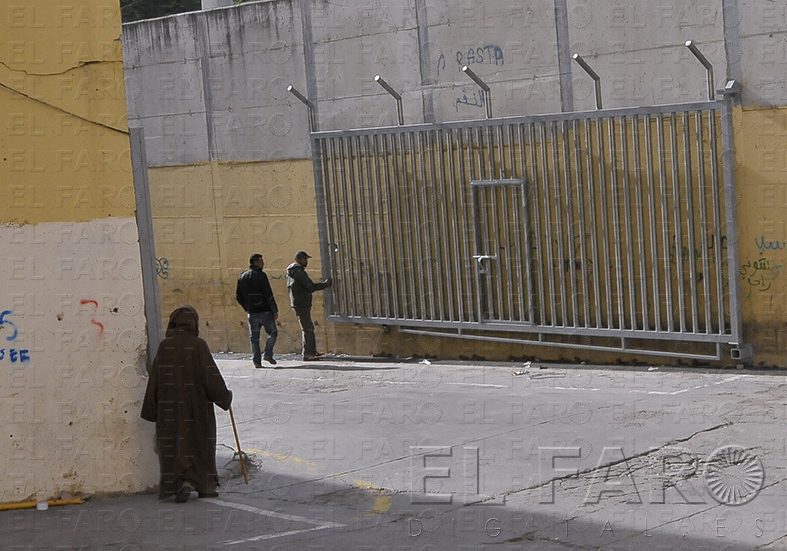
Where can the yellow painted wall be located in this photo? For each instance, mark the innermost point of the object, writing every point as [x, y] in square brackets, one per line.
[761, 164]
[209, 218]
[72, 333]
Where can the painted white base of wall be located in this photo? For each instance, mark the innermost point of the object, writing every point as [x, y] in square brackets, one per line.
[72, 361]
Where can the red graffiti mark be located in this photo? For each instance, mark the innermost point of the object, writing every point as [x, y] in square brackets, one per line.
[100, 325]
[100, 328]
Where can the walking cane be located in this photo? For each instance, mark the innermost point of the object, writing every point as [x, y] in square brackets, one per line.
[237, 442]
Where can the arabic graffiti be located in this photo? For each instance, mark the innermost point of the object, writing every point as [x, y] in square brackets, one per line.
[684, 253]
[478, 100]
[162, 267]
[14, 355]
[759, 273]
[770, 245]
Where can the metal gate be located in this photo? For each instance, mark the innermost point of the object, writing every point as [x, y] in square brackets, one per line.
[608, 230]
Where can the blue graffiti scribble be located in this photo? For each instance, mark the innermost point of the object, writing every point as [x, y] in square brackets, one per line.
[772, 245]
[4, 321]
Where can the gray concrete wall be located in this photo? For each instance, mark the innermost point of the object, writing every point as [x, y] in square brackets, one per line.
[214, 82]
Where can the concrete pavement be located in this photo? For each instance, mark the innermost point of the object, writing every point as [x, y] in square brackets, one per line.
[384, 455]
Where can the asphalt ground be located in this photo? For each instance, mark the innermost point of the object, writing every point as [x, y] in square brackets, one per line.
[368, 454]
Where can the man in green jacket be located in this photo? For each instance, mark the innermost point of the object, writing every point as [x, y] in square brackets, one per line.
[301, 287]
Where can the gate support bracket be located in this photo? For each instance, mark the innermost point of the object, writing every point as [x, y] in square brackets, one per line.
[484, 86]
[705, 63]
[731, 88]
[743, 353]
[394, 94]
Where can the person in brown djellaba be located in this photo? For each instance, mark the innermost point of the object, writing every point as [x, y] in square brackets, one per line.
[183, 386]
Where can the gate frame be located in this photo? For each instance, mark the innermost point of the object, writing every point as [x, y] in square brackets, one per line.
[739, 350]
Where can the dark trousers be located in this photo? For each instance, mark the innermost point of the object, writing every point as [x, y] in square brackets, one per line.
[256, 323]
[307, 327]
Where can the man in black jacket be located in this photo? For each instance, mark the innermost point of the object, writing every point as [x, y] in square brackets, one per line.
[301, 287]
[254, 293]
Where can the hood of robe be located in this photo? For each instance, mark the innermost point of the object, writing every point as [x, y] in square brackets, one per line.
[185, 319]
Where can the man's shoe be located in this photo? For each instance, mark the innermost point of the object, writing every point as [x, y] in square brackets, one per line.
[211, 494]
[270, 360]
[310, 358]
[318, 354]
[184, 493]
[257, 366]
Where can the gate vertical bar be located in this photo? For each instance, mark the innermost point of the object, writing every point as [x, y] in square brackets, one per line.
[702, 184]
[377, 246]
[325, 174]
[592, 211]
[455, 226]
[341, 295]
[405, 210]
[464, 176]
[652, 217]
[365, 190]
[426, 238]
[717, 229]
[730, 199]
[604, 217]
[527, 256]
[571, 259]
[663, 189]
[439, 229]
[416, 225]
[558, 221]
[613, 162]
[624, 162]
[690, 221]
[677, 220]
[385, 224]
[643, 280]
[356, 192]
[548, 227]
[581, 195]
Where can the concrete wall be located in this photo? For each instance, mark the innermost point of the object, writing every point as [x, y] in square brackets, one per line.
[209, 89]
[72, 326]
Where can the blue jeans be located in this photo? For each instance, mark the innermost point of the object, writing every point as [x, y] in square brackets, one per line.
[258, 321]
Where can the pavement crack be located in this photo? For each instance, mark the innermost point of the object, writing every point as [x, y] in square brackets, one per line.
[598, 467]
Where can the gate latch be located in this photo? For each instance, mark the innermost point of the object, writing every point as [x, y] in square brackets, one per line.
[480, 259]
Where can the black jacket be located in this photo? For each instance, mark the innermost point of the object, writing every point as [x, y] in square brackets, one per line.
[254, 292]
[301, 286]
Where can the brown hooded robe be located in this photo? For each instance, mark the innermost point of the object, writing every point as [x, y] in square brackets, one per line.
[183, 386]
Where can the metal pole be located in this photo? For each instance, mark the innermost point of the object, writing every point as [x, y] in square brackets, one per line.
[487, 92]
[705, 63]
[292, 90]
[147, 248]
[387, 87]
[592, 74]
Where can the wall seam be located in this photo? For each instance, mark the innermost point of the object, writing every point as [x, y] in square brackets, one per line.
[309, 61]
[427, 93]
[564, 56]
[207, 94]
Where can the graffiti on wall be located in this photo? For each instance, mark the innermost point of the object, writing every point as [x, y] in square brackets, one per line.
[13, 355]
